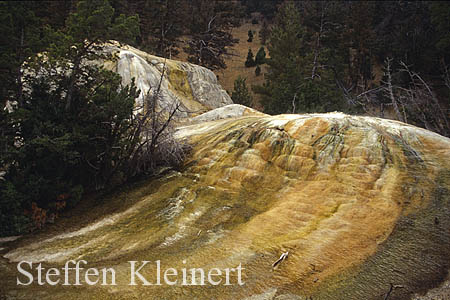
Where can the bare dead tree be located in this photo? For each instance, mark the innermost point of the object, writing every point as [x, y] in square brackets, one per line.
[208, 48]
[425, 104]
[293, 103]
[389, 90]
[317, 44]
[325, 25]
[415, 103]
[152, 140]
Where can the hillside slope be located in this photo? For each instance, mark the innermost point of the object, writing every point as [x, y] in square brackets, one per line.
[236, 63]
[359, 203]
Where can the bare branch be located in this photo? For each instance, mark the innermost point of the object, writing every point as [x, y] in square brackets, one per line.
[283, 256]
[210, 22]
[293, 103]
[317, 47]
[389, 89]
[415, 75]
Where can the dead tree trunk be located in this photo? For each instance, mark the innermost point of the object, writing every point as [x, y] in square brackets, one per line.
[390, 90]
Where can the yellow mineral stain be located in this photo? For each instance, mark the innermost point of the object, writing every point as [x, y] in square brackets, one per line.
[330, 189]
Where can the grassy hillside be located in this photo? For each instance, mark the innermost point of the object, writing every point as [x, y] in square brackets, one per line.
[235, 63]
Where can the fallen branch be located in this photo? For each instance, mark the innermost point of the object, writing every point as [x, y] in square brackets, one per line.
[282, 257]
[391, 289]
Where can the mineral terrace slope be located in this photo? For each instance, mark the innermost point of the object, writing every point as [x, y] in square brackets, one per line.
[360, 203]
[194, 87]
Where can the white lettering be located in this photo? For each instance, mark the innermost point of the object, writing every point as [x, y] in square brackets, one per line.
[49, 273]
[240, 268]
[217, 272]
[77, 271]
[194, 278]
[113, 276]
[66, 271]
[40, 268]
[22, 271]
[87, 274]
[136, 272]
[170, 272]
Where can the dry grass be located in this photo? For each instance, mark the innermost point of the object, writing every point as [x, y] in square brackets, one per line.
[235, 63]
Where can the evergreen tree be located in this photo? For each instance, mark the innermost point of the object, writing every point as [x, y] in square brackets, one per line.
[258, 70]
[74, 121]
[54, 13]
[260, 56]
[161, 23]
[440, 16]
[285, 71]
[362, 38]
[240, 94]
[267, 8]
[20, 38]
[250, 61]
[404, 32]
[250, 36]
[301, 77]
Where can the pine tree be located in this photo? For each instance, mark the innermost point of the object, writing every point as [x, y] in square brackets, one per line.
[250, 36]
[258, 70]
[162, 23]
[240, 94]
[301, 75]
[250, 61]
[440, 14]
[260, 56]
[74, 120]
[19, 34]
[361, 37]
[267, 8]
[20, 38]
[285, 65]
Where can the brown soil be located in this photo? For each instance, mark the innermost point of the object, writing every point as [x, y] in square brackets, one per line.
[236, 62]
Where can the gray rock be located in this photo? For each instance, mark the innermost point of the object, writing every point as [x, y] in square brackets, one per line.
[195, 87]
